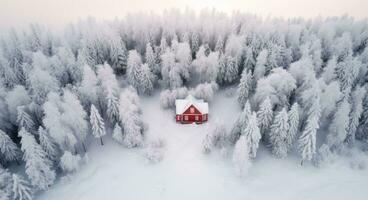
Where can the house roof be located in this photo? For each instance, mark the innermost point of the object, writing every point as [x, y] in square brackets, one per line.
[183, 104]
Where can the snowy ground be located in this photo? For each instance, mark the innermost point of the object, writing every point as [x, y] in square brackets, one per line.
[114, 172]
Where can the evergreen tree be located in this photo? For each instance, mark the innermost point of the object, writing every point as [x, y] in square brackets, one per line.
[355, 114]
[38, 166]
[69, 163]
[265, 115]
[118, 134]
[240, 123]
[5, 186]
[241, 156]
[279, 133]
[244, 87]
[24, 119]
[8, 149]
[134, 70]
[293, 116]
[112, 106]
[151, 59]
[47, 144]
[21, 188]
[338, 129]
[97, 124]
[252, 134]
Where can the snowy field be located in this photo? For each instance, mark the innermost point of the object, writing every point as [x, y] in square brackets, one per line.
[114, 172]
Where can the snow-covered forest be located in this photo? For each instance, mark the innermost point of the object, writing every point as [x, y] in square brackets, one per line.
[300, 85]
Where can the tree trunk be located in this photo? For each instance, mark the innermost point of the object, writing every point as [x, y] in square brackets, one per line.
[84, 147]
[101, 141]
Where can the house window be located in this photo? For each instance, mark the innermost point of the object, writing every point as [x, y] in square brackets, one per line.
[186, 117]
[192, 110]
[196, 118]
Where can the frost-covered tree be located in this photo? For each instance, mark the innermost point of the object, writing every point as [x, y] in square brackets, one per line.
[293, 117]
[74, 117]
[24, 119]
[329, 72]
[150, 58]
[168, 97]
[265, 116]
[216, 137]
[355, 114]
[241, 159]
[8, 149]
[97, 124]
[88, 87]
[5, 186]
[252, 134]
[18, 96]
[139, 75]
[131, 120]
[57, 129]
[41, 83]
[279, 133]
[22, 190]
[70, 163]
[48, 144]
[118, 134]
[38, 166]
[240, 123]
[206, 66]
[244, 87]
[260, 67]
[205, 91]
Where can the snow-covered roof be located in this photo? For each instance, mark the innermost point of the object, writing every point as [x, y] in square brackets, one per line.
[183, 104]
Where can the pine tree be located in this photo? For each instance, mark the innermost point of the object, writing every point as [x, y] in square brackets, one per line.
[47, 144]
[244, 87]
[112, 106]
[21, 188]
[355, 114]
[69, 162]
[293, 116]
[24, 119]
[252, 134]
[38, 166]
[118, 134]
[9, 150]
[231, 70]
[241, 156]
[5, 186]
[240, 123]
[151, 59]
[97, 124]
[279, 133]
[265, 115]
[339, 126]
[134, 70]
[146, 80]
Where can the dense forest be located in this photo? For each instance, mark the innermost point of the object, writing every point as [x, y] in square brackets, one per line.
[302, 86]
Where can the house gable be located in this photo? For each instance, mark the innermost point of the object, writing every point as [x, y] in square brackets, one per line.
[192, 110]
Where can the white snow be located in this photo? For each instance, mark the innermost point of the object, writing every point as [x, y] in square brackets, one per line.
[183, 104]
[114, 172]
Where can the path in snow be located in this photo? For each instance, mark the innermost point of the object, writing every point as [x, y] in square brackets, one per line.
[114, 172]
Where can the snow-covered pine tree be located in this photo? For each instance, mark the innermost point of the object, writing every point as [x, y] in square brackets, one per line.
[38, 166]
[112, 110]
[150, 58]
[241, 159]
[24, 119]
[74, 117]
[240, 123]
[252, 134]
[338, 129]
[244, 87]
[260, 67]
[48, 144]
[5, 186]
[146, 80]
[69, 163]
[265, 116]
[134, 71]
[118, 134]
[22, 190]
[231, 70]
[216, 137]
[355, 114]
[97, 124]
[293, 116]
[8, 149]
[279, 133]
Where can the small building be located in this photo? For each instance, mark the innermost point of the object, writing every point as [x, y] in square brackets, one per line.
[191, 110]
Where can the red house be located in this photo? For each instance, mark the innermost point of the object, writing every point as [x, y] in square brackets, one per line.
[191, 110]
